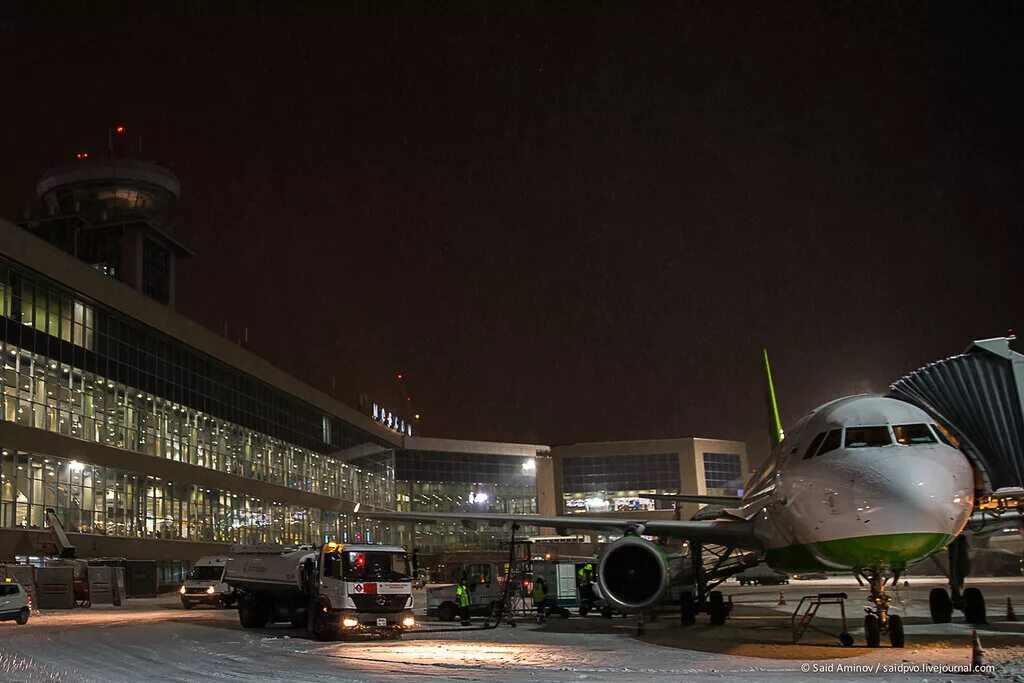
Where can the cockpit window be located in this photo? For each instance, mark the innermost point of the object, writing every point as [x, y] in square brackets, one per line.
[943, 436]
[832, 441]
[910, 434]
[813, 448]
[867, 437]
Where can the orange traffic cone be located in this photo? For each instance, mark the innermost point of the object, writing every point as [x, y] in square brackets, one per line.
[782, 598]
[1010, 616]
[977, 654]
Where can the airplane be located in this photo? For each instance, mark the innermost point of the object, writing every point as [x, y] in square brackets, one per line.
[864, 484]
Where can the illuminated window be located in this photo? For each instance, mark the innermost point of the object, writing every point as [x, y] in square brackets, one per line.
[910, 434]
[867, 437]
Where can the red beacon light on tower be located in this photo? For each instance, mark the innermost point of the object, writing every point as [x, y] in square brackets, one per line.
[119, 130]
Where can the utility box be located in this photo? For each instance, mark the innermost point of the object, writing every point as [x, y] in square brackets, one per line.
[55, 587]
[106, 585]
[140, 576]
[141, 579]
[560, 577]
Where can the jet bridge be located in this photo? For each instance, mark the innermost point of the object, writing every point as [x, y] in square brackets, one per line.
[979, 397]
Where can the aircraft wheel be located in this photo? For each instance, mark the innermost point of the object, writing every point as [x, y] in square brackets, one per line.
[896, 630]
[846, 639]
[872, 630]
[716, 608]
[446, 612]
[687, 613]
[974, 606]
[940, 605]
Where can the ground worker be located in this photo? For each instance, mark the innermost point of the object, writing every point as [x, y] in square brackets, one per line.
[540, 599]
[584, 579]
[462, 597]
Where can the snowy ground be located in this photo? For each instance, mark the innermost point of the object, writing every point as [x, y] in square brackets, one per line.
[156, 640]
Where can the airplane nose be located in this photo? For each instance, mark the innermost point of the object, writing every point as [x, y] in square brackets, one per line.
[927, 488]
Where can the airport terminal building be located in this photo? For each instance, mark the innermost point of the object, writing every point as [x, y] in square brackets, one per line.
[611, 477]
[149, 435]
[152, 437]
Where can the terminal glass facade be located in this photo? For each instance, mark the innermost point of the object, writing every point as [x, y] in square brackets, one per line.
[109, 501]
[432, 481]
[723, 473]
[74, 367]
[616, 483]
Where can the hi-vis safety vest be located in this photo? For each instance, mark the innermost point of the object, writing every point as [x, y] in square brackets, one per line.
[462, 595]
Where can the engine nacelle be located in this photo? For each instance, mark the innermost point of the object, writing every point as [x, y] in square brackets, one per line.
[633, 574]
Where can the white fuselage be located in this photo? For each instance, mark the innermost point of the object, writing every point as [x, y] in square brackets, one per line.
[884, 491]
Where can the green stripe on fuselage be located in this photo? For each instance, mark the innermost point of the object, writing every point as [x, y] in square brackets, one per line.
[892, 551]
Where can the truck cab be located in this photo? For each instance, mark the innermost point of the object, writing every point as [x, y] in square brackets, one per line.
[366, 587]
[205, 584]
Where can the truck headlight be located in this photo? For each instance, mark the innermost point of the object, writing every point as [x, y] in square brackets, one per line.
[349, 622]
[408, 622]
[182, 590]
[210, 590]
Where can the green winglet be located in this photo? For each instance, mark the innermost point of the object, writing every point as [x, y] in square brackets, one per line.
[775, 432]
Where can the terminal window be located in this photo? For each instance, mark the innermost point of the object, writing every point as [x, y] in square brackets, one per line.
[636, 472]
[722, 471]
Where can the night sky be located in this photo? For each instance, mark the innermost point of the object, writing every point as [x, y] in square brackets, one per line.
[566, 226]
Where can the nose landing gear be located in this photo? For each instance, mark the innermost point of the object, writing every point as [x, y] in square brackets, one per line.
[878, 620]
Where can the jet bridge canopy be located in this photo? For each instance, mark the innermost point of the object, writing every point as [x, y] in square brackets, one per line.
[977, 395]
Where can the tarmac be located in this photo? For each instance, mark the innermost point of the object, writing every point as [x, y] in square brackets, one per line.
[156, 640]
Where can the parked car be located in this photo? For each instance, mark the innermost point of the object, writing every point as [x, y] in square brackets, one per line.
[14, 604]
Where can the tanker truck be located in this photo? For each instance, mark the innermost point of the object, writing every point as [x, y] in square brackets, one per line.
[333, 590]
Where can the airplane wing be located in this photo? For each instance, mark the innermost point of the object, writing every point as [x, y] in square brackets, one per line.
[694, 498]
[737, 533]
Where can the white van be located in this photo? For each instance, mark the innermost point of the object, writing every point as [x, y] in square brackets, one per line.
[13, 602]
[205, 584]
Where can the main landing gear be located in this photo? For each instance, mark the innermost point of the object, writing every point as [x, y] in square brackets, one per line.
[705, 600]
[970, 601]
[878, 620]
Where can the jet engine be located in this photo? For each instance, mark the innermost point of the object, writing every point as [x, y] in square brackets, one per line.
[633, 574]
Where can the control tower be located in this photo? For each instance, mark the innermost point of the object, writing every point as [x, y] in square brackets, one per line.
[112, 213]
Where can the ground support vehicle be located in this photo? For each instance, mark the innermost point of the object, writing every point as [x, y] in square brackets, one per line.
[205, 584]
[486, 593]
[565, 590]
[14, 604]
[334, 590]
